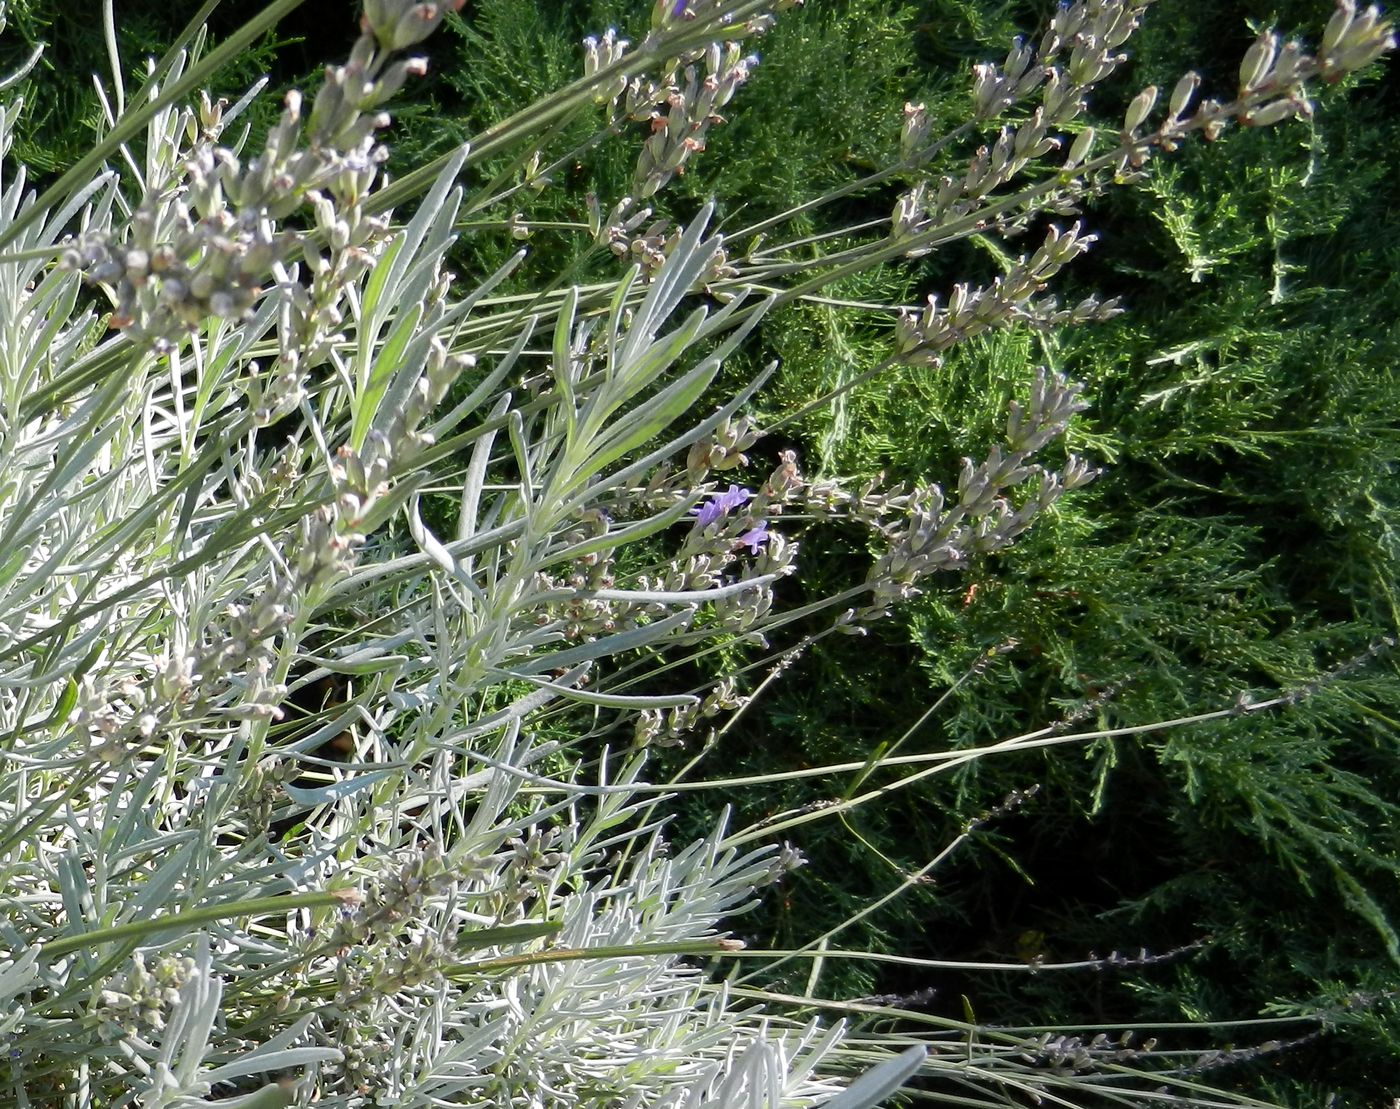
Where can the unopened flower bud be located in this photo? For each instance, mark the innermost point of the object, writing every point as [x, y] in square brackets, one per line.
[1140, 108]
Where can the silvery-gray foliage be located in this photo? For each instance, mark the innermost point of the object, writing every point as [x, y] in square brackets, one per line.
[227, 380]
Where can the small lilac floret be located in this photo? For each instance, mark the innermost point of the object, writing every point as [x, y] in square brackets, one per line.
[707, 513]
[755, 537]
[719, 505]
[733, 497]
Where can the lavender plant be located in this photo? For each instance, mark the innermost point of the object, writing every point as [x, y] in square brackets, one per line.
[232, 375]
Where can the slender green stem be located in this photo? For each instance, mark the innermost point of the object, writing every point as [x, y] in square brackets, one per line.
[859, 185]
[947, 760]
[191, 918]
[714, 947]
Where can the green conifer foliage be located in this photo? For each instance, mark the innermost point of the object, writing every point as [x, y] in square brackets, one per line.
[1241, 540]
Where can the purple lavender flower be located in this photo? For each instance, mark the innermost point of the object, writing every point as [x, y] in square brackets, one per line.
[755, 537]
[719, 505]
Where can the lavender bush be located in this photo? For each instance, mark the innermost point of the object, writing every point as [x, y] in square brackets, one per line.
[280, 818]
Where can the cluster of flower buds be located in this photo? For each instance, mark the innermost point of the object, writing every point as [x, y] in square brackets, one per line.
[666, 487]
[910, 218]
[684, 112]
[227, 674]
[324, 550]
[246, 635]
[1352, 40]
[207, 248]
[402, 967]
[636, 97]
[1079, 49]
[599, 53]
[343, 243]
[329, 538]
[395, 902]
[139, 1001]
[360, 980]
[785, 485]
[261, 792]
[1094, 33]
[1053, 403]
[1090, 32]
[723, 449]
[165, 280]
[739, 517]
[93, 710]
[1017, 799]
[361, 479]
[723, 524]
[1317, 684]
[868, 504]
[726, 525]
[1273, 78]
[740, 612]
[308, 325]
[366, 1049]
[1069, 1055]
[623, 232]
[1275, 71]
[926, 541]
[994, 89]
[531, 867]
[1046, 314]
[922, 337]
[1270, 65]
[929, 534]
[584, 616]
[678, 107]
[787, 859]
[276, 395]
[521, 871]
[669, 729]
[1272, 88]
[1219, 1058]
[1087, 709]
[924, 207]
[399, 24]
[404, 435]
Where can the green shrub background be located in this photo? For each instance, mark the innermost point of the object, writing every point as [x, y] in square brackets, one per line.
[1243, 538]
